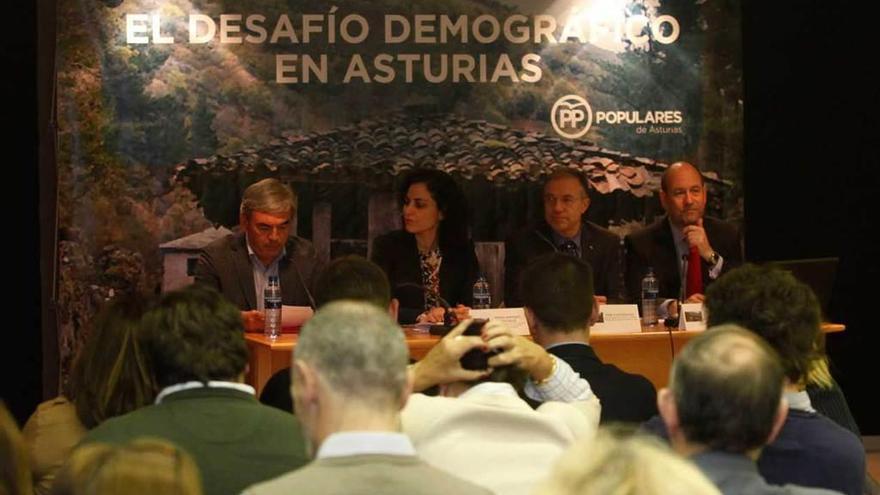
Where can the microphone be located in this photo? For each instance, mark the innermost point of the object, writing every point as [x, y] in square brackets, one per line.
[672, 322]
[682, 294]
[305, 286]
[448, 316]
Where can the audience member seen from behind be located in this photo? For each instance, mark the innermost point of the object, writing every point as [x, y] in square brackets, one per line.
[616, 464]
[554, 288]
[350, 382]
[811, 450]
[195, 340]
[15, 473]
[111, 376]
[142, 467]
[347, 278]
[724, 403]
[431, 261]
[479, 428]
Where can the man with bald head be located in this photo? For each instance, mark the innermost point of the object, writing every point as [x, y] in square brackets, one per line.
[724, 403]
[684, 247]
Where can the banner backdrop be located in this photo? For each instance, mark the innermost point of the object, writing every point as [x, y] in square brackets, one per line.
[167, 110]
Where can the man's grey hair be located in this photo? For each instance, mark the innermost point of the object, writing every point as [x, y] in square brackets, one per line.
[269, 196]
[358, 350]
[727, 383]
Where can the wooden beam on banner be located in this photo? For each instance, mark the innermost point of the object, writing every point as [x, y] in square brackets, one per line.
[322, 217]
[382, 216]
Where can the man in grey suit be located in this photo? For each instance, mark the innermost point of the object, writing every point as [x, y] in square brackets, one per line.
[240, 264]
[723, 404]
[350, 382]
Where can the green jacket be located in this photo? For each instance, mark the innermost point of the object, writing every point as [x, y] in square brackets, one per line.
[235, 440]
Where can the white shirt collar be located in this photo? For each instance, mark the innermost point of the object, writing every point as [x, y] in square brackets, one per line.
[180, 387]
[799, 401]
[490, 388]
[348, 443]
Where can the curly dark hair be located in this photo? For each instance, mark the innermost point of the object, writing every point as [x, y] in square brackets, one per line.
[776, 306]
[453, 230]
[195, 334]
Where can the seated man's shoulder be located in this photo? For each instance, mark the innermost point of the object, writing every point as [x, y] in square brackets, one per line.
[300, 247]
[534, 236]
[600, 232]
[821, 433]
[580, 417]
[358, 474]
[646, 232]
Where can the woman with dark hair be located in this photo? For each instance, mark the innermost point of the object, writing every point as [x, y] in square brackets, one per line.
[431, 262]
[110, 377]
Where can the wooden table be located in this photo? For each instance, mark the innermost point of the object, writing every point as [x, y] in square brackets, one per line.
[648, 353]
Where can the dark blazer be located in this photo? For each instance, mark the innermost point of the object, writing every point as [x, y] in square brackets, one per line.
[396, 252]
[234, 440]
[625, 397]
[736, 474]
[225, 265]
[810, 450]
[654, 247]
[599, 247]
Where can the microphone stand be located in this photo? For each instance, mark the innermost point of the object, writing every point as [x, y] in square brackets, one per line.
[449, 321]
[671, 321]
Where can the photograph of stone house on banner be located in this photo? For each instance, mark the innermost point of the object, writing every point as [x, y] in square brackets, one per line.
[168, 109]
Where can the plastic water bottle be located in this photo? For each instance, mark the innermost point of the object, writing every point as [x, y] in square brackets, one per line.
[272, 305]
[650, 289]
[482, 296]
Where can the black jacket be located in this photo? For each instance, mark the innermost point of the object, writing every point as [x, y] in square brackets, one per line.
[653, 246]
[396, 252]
[625, 397]
[599, 247]
[226, 266]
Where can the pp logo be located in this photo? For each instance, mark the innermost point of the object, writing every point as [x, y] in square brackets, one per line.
[571, 116]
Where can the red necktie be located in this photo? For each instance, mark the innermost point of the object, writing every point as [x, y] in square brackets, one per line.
[694, 274]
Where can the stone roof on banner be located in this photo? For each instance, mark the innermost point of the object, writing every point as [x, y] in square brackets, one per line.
[195, 241]
[373, 151]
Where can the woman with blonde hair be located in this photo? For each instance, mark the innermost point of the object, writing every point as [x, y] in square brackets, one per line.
[614, 463]
[143, 467]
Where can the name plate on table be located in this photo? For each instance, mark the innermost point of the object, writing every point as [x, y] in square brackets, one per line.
[617, 318]
[514, 318]
[692, 316]
[295, 316]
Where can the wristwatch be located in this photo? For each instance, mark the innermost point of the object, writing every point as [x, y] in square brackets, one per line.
[713, 260]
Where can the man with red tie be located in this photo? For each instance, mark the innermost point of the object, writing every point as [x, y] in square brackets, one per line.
[682, 247]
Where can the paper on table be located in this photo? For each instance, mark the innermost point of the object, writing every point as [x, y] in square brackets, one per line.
[295, 316]
[617, 318]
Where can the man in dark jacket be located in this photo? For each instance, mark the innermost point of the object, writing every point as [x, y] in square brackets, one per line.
[239, 265]
[553, 288]
[564, 230]
[711, 247]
